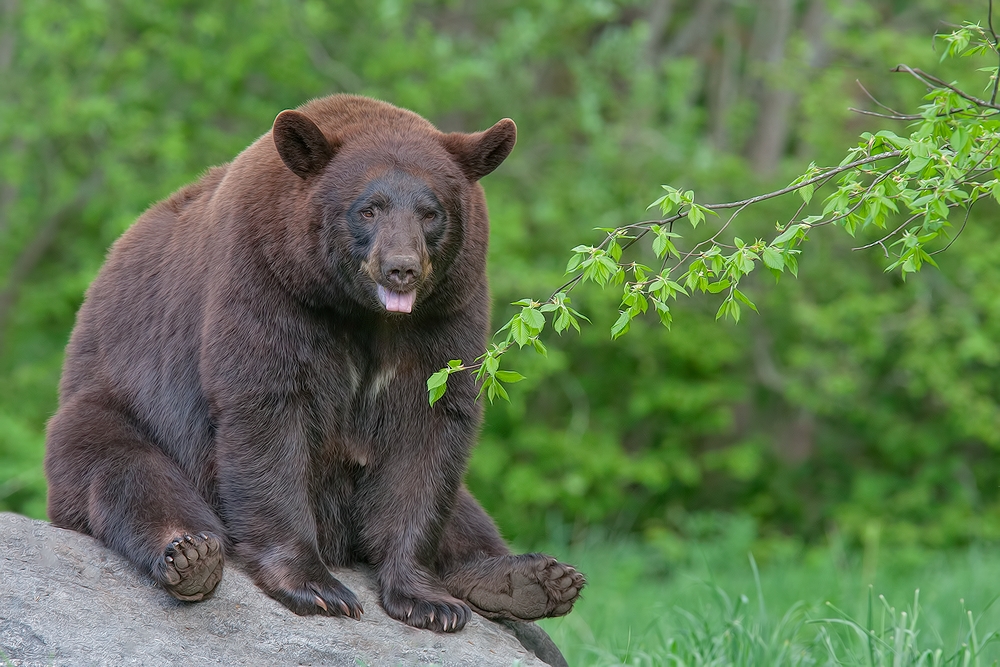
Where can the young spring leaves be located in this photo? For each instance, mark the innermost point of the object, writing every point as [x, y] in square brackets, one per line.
[906, 188]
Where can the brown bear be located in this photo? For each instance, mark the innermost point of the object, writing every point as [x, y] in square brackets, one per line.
[247, 377]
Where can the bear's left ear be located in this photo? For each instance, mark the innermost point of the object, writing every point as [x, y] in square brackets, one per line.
[480, 153]
[300, 143]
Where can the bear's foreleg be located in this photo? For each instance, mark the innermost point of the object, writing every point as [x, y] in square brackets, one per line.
[401, 503]
[263, 493]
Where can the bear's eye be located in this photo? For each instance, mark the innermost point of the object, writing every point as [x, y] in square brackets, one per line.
[368, 213]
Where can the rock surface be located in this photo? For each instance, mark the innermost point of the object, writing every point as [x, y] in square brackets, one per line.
[66, 600]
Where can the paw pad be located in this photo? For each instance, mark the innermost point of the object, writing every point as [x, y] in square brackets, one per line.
[192, 566]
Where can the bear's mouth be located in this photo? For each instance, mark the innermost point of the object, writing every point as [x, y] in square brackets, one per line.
[396, 302]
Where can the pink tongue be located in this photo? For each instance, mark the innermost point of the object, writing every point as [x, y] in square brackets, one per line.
[395, 302]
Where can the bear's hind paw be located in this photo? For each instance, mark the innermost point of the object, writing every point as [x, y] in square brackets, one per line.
[519, 588]
[191, 566]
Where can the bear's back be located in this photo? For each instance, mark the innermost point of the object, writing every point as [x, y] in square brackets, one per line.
[138, 331]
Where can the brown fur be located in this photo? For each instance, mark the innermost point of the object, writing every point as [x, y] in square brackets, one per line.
[233, 376]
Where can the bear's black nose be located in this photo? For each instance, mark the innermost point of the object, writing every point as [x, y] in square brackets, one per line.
[402, 270]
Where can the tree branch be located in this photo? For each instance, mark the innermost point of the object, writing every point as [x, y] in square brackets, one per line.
[815, 179]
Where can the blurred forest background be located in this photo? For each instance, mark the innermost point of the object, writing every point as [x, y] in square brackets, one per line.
[855, 404]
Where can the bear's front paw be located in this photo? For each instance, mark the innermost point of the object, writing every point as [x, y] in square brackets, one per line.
[327, 598]
[443, 614]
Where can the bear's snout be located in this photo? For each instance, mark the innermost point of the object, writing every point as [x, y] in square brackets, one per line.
[402, 271]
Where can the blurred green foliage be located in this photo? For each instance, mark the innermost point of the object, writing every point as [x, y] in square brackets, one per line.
[854, 402]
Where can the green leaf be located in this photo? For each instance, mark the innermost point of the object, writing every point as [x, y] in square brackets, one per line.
[615, 251]
[663, 310]
[509, 377]
[435, 394]
[806, 192]
[743, 297]
[438, 379]
[496, 389]
[787, 235]
[519, 332]
[695, 215]
[563, 321]
[621, 326]
[534, 320]
[659, 241]
[745, 261]
[490, 364]
[959, 139]
[792, 262]
[492, 388]
[715, 288]
[437, 385]
[773, 259]
[917, 165]
[574, 263]
[539, 348]
[729, 307]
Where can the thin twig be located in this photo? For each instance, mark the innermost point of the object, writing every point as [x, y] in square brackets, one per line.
[872, 98]
[930, 80]
[886, 116]
[967, 113]
[890, 234]
[798, 211]
[996, 75]
[958, 233]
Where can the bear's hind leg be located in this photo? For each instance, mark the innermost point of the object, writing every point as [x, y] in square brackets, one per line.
[107, 480]
[477, 567]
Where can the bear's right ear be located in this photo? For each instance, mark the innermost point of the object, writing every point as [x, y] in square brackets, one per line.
[300, 143]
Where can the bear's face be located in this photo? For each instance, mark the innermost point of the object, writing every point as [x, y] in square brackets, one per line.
[393, 209]
[397, 231]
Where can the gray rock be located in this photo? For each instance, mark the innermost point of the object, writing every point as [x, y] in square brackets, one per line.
[67, 600]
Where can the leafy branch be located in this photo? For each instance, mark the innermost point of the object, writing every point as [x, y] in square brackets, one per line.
[907, 186]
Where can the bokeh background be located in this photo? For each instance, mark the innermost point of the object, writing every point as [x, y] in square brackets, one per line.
[854, 405]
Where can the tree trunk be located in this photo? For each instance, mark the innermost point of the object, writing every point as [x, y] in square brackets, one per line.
[725, 84]
[776, 101]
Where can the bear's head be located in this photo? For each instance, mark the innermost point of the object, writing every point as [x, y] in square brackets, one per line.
[393, 201]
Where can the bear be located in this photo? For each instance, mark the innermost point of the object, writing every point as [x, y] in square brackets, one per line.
[246, 377]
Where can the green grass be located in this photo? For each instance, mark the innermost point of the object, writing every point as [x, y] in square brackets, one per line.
[730, 599]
